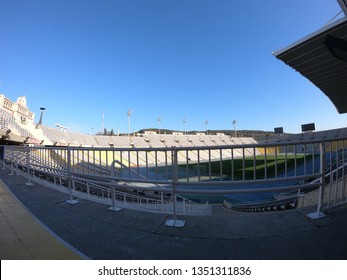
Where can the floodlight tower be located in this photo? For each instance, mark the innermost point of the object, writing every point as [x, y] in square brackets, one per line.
[234, 124]
[159, 122]
[130, 112]
[206, 123]
[185, 125]
[103, 121]
[42, 110]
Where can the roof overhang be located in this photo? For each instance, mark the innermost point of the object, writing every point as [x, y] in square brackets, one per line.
[343, 5]
[322, 58]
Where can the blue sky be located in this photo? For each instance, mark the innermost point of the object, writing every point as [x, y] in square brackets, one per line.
[178, 59]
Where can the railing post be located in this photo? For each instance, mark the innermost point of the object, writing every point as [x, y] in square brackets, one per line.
[28, 167]
[174, 222]
[88, 189]
[17, 166]
[3, 159]
[69, 178]
[12, 161]
[114, 207]
[318, 214]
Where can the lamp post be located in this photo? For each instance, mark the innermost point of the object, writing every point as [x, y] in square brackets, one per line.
[185, 125]
[206, 123]
[130, 112]
[159, 122]
[234, 124]
[42, 110]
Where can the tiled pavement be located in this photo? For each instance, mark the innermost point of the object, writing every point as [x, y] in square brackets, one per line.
[22, 236]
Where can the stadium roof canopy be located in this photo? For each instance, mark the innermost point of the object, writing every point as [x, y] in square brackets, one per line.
[322, 58]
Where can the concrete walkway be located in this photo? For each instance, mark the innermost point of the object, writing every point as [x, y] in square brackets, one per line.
[101, 234]
[22, 236]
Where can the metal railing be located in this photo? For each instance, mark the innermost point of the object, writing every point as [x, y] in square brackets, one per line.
[174, 180]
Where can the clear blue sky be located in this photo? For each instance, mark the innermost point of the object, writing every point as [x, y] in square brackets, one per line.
[194, 59]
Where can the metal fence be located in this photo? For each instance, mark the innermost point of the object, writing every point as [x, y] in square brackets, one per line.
[184, 180]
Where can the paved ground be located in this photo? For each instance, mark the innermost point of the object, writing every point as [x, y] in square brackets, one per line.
[22, 236]
[89, 230]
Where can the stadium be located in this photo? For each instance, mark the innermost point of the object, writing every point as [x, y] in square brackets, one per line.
[182, 179]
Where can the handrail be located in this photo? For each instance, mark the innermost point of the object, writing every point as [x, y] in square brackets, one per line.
[170, 171]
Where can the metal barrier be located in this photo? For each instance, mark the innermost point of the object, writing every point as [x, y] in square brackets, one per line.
[162, 179]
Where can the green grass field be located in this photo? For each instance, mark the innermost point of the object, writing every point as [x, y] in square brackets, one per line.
[256, 166]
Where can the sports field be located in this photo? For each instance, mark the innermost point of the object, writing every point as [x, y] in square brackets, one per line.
[259, 167]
